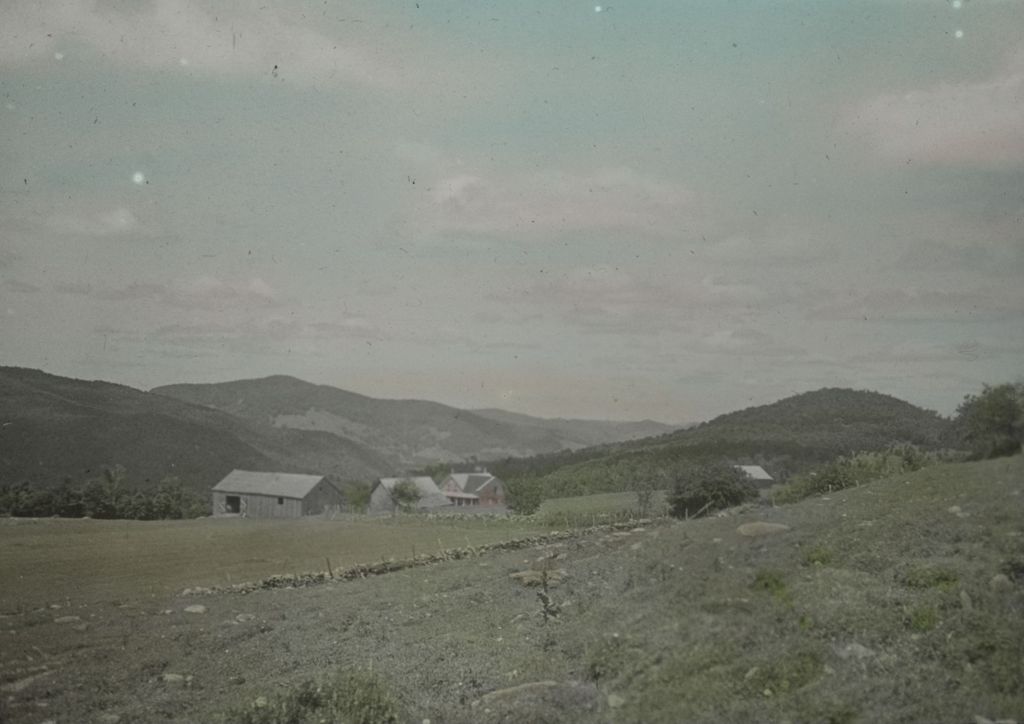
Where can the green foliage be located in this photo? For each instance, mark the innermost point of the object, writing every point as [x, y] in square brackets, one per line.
[930, 577]
[104, 497]
[922, 619]
[523, 495]
[705, 489]
[357, 496]
[991, 424]
[847, 472]
[405, 495]
[350, 697]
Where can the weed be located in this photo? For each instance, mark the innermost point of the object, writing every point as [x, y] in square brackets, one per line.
[351, 697]
[922, 619]
[819, 555]
[930, 577]
[771, 582]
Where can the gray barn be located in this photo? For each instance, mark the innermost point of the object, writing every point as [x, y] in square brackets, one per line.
[274, 495]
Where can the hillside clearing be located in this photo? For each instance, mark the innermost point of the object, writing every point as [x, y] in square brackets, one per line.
[898, 601]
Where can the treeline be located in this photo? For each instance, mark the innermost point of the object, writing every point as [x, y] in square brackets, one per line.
[103, 497]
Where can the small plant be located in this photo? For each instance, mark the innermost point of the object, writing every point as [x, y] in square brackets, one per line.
[770, 582]
[930, 577]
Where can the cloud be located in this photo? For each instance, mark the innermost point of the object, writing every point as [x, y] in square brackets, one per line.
[109, 222]
[607, 299]
[555, 201]
[20, 286]
[203, 293]
[970, 123]
[920, 304]
[190, 37]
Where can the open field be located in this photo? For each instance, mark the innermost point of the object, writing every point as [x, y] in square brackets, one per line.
[899, 601]
[50, 560]
[598, 504]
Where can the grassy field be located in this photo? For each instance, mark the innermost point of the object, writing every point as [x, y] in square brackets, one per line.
[899, 601]
[49, 560]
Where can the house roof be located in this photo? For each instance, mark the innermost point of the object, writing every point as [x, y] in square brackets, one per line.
[472, 482]
[755, 472]
[283, 485]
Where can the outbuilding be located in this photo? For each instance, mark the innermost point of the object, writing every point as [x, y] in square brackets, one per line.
[248, 494]
[757, 475]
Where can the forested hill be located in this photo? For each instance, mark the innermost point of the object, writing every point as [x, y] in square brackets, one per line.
[55, 427]
[786, 436]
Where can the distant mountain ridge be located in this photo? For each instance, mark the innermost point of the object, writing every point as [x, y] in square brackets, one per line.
[409, 433]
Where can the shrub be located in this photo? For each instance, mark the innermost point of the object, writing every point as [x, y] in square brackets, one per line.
[702, 490]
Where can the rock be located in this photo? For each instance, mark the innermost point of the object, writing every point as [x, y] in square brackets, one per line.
[81, 627]
[195, 608]
[237, 680]
[965, 601]
[67, 619]
[108, 718]
[957, 511]
[636, 546]
[243, 617]
[1000, 582]
[615, 701]
[173, 679]
[516, 690]
[759, 528]
[855, 651]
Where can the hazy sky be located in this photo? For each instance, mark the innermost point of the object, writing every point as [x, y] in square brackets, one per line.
[664, 209]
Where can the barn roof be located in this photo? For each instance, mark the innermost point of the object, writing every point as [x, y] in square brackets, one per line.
[283, 485]
[755, 472]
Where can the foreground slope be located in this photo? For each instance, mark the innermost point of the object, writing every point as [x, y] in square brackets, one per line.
[56, 427]
[409, 433]
[895, 602]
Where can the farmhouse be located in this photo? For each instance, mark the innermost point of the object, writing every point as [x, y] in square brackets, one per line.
[758, 475]
[382, 500]
[479, 488]
[274, 495]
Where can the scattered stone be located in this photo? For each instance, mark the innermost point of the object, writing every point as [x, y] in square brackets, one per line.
[13, 687]
[965, 601]
[173, 679]
[244, 617]
[751, 673]
[195, 608]
[957, 511]
[67, 619]
[237, 680]
[615, 701]
[636, 546]
[108, 718]
[978, 719]
[260, 702]
[1000, 582]
[536, 578]
[81, 627]
[759, 528]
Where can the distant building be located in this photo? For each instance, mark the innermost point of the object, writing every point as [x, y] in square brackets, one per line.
[382, 500]
[479, 488]
[758, 475]
[274, 495]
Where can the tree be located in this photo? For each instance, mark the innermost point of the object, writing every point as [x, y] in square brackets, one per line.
[992, 423]
[701, 490]
[523, 495]
[405, 495]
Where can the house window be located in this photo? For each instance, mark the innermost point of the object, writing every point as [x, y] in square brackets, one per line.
[280, 501]
[232, 504]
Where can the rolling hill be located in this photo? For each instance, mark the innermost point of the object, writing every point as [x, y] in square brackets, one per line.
[55, 427]
[786, 436]
[409, 433]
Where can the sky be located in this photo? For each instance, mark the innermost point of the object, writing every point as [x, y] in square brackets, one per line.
[655, 209]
